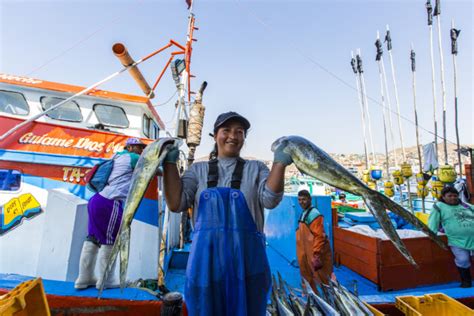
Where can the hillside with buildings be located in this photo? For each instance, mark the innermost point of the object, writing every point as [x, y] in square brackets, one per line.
[357, 161]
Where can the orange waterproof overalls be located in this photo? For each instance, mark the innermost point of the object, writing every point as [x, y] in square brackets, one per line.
[311, 241]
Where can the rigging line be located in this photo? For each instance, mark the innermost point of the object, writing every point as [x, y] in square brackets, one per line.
[172, 118]
[344, 82]
[84, 39]
[167, 101]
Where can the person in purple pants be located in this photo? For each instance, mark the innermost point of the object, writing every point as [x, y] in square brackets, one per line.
[105, 214]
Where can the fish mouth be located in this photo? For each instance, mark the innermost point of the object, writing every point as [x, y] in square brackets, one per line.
[279, 142]
[173, 141]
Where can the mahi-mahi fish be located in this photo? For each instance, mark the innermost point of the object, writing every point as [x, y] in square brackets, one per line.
[313, 161]
[146, 168]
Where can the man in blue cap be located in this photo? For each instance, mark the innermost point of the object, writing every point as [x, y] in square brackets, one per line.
[105, 214]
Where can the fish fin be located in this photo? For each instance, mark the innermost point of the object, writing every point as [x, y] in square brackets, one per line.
[412, 219]
[110, 261]
[308, 287]
[274, 292]
[307, 309]
[378, 205]
[124, 255]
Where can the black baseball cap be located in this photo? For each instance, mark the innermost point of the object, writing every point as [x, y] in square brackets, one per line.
[224, 117]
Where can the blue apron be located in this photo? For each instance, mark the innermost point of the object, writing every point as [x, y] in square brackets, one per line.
[227, 272]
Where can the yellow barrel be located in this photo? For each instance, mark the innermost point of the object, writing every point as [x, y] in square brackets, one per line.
[397, 177]
[372, 185]
[436, 187]
[422, 191]
[424, 217]
[420, 179]
[388, 189]
[447, 174]
[366, 176]
[407, 172]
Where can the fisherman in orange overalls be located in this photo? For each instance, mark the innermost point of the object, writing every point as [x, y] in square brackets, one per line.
[312, 245]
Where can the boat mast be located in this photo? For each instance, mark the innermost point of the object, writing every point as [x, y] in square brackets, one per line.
[413, 71]
[454, 51]
[429, 10]
[361, 103]
[199, 109]
[437, 14]
[366, 102]
[378, 58]
[388, 39]
[389, 103]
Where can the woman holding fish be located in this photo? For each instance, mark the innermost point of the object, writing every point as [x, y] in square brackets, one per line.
[105, 211]
[228, 271]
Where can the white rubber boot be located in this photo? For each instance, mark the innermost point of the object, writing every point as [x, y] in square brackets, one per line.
[87, 261]
[111, 281]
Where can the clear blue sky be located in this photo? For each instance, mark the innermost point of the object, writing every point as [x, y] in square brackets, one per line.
[256, 57]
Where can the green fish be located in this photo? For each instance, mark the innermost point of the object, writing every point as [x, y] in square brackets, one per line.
[313, 161]
[147, 166]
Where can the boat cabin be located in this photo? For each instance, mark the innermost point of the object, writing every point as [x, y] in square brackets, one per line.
[97, 110]
[43, 195]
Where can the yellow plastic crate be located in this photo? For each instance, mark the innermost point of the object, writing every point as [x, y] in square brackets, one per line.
[374, 311]
[27, 299]
[423, 217]
[431, 305]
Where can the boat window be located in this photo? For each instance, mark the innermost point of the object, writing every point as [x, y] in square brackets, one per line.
[69, 111]
[13, 103]
[155, 131]
[10, 180]
[111, 115]
[146, 125]
[150, 128]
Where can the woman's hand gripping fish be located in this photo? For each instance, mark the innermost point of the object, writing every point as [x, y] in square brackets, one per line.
[313, 161]
[146, 168]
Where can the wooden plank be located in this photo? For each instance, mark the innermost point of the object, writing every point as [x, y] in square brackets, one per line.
[361, 254]
[356, 258]
[419, 248]
[405, 276]
[356, 239]
[362, 268]
[440, 253]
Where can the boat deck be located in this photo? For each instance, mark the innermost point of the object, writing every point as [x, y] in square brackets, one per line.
[62, 288]
[133, 298]
[366, 289]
